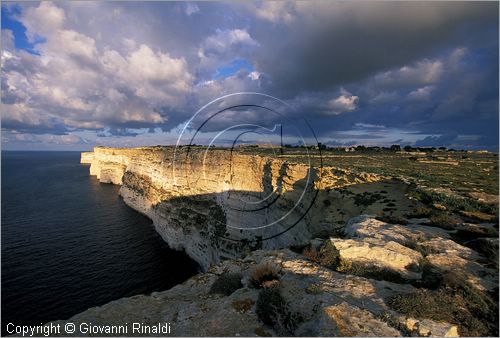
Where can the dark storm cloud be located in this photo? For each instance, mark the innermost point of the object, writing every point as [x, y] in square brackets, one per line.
[339, 43]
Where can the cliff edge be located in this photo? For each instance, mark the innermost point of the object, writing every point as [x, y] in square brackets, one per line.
[220, 204]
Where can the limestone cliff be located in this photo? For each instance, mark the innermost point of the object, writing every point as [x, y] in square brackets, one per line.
[357, 268]
[220, 204]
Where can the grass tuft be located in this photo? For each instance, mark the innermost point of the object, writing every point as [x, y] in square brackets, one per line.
[264, 275]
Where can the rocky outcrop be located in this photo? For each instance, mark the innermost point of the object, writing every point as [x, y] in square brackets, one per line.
[218, 204]
[377, 254]
[440, 251]
[326, 303]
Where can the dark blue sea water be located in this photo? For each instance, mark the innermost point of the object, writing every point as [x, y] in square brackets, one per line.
[70, 243]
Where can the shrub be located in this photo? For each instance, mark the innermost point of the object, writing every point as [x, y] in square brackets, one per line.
[262, 274]
[420, 212]
[370, 271]
[227, 283]
[273, 310]
[327, 256]
[312, 254]
[454, 301]
[485, 247]
[417, 246]
[445, 221]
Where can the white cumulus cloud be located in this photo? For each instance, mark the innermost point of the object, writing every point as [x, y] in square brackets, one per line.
[346, 102]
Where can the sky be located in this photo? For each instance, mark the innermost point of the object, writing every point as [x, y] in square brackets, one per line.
[81, 74]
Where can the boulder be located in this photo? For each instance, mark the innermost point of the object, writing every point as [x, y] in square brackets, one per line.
[376, 253]
[483, 278]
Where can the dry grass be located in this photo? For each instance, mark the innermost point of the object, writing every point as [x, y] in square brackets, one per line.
[264, 275]
[312, 254]
[273, 310]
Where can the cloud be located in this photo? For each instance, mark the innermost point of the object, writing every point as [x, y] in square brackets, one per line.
[273, 11]
[339, 43]
[223, 39]
[346, 102]
[457, 141]
[422, 69]
[74, 85]
[424, 72]
[192, 8]
[43, 20]
[420, 94]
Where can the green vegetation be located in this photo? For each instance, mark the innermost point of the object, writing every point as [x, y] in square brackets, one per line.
[420, 212]
[417, 246]
[453, 203]
[444, 221]
[476, 172]
[454, 301]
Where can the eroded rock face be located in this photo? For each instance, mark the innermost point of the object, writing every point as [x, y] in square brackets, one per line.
[217, 204]
[87, 158]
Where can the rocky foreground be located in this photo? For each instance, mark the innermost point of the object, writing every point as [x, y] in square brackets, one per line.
[381, 279]
[367, 260]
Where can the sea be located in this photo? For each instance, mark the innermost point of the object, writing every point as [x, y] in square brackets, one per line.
[69, 243]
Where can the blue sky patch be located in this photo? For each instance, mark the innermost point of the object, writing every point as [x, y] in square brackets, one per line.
[231, 69]
[18, 30]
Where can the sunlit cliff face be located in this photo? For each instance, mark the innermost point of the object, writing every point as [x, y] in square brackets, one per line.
[223, 204]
